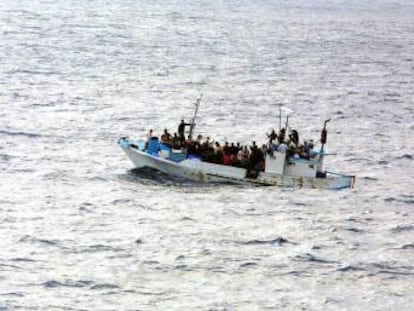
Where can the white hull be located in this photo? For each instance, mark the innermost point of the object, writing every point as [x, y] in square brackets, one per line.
[210, 172]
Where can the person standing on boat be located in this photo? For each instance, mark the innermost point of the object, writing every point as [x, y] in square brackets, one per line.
[149, 136]
[166, 138]
[272, 136]
[281, 137]
[181, 129]
[294, 137]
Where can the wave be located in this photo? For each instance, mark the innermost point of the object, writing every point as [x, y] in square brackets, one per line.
[402, 228]
[385, 268]
[87, 207]
[49, 104]
[104, 286]
[356, 230]
[23, 259]
[359, 160]
[6, 157]
[186, 218]
[405, 156]
[349, 268]
[278, 241]
[33, 72]
[54, 283]
[299, 204]
[312, 258]
[13, 294]
[248, 265]
[99, 248]
[183, 267]
[78, 284]
[217, 269]
[378, 268]
[296, 273]
[30, 239]
[405, 199]
[25, 134]
[368, 178]
[9, 266]
[121, 201]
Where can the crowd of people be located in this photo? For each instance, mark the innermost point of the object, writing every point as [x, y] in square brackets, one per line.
[251, 157]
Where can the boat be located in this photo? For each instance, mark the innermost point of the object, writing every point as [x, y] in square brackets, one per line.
[280, 168]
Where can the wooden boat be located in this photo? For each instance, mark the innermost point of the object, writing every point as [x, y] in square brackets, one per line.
[280, 168]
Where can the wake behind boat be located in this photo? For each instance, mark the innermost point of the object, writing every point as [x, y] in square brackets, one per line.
[283, 161]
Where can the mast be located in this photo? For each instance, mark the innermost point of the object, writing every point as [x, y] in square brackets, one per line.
[324, 135]
[287, 112]
[280, 118]
[197, 105]
[287, 122]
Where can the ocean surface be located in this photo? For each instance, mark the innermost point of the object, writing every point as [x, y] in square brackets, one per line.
[81, 230]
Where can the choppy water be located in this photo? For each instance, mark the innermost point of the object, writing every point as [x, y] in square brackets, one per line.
[80, 230]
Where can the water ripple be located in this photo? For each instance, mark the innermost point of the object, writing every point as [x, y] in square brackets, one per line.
[19, 133]
[277, 241]
[81, 230]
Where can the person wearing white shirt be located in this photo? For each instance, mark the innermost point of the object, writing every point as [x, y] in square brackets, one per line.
[282, 147]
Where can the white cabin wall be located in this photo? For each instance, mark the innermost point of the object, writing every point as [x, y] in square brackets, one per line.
[275, 164]
[301, 168]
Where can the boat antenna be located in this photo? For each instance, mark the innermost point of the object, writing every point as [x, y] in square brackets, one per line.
[280, 117]
[287, 122]
[324, 135]
[197, 105]
[287, 112]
